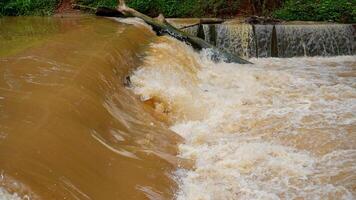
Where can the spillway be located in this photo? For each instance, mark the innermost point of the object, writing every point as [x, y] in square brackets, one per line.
[94, 108]
[281, 40]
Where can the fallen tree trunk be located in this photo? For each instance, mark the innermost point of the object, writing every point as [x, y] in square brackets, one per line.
[108, 12]
[162, 27]
[100, 11]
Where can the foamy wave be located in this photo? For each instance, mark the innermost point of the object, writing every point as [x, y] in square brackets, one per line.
[279, 129]
[4, 195]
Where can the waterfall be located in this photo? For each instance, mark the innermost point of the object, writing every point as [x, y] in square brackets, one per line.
[210, 33]
[315, 40]
[263, 34]
[238, 39]
[96, 108]
[280, 40]
[192, 30]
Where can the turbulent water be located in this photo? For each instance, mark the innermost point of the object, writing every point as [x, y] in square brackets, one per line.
[74, 126]
[278, 129]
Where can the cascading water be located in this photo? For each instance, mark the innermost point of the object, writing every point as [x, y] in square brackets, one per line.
[278, 129]
[315, 40]
[282, 128]
[264, 40]
[282, 40]
[210, 33]
[237, 39]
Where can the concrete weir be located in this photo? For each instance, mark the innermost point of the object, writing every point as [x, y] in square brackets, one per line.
[281, 40]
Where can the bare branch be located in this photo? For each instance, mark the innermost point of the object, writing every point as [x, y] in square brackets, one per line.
[161, 18]
[122, 3]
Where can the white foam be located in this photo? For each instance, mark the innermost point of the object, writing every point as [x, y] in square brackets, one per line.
[260, 131]
[134, 21]
[4, 195]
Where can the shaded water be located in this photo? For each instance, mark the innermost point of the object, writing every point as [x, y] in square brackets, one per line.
[283, 128]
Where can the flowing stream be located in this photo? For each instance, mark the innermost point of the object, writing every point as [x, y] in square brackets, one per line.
[99, 109]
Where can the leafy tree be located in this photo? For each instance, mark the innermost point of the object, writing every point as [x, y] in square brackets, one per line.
[318, 10]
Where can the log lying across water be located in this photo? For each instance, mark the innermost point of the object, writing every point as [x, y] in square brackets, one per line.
[108, 12]
[162, 27]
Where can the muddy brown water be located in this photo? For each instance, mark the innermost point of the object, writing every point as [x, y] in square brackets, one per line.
[68, 127]
[186, 128]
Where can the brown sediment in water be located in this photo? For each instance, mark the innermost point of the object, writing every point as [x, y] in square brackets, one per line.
[68, 127]
[278, 129]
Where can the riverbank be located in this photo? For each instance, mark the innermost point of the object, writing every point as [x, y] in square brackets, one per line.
[343, 11]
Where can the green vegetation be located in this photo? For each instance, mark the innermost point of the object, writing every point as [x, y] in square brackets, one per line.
[310, 10]
[27, 7]
[174, 8]
[318, 10]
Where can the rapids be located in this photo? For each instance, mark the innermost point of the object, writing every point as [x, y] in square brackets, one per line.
[73, 125]
[278, 129]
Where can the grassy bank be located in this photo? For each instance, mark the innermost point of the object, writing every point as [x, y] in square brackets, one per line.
[27, 7]
[306, 10]
[175, 8]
